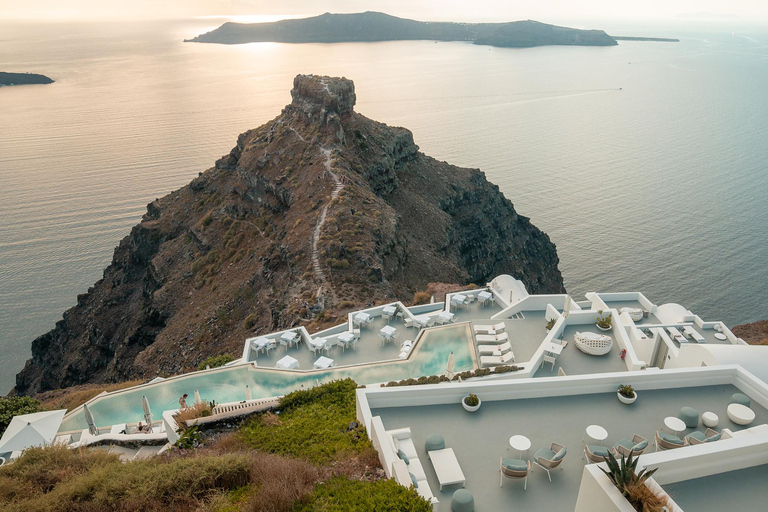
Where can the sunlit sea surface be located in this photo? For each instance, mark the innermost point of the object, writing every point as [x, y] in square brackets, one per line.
[646, 163]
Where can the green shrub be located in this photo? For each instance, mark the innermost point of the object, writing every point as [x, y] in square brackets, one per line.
[190, 438]
[11, 406]
[216, 361]
[207, 221]
[471, 400]
[311, 424]
[342, 494]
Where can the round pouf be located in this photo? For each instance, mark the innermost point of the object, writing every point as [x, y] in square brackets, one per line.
[740, 414]
[710, 419]
[434, 442]
[741, 398]
[690, 416]
[463, 501]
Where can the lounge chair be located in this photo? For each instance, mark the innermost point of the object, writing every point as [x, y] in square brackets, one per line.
[486, 329]
[694, 334]
[676, 335]
[595, 453]
[698, 437]
[492, 338]
[487, 361]
[550, 458]
[490, 349]
[636, 446]
[514, 468]
[666, 441]
[406, 450]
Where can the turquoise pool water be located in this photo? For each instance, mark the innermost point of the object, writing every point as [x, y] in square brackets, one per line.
[228, 385]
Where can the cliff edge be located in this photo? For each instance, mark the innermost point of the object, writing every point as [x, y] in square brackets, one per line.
[317, 211]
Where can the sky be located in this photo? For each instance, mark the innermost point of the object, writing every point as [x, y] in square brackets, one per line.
[438, 10]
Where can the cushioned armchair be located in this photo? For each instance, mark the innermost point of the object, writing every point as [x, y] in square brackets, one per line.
[514, 468]
[666, 441]
[697, 437]
[550, 458]
[595, 453]
[636, 446]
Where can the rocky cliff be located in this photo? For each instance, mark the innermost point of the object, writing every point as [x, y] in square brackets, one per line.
[317, 211]
[755, 333]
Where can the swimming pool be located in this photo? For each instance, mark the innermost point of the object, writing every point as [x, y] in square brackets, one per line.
[228, 384]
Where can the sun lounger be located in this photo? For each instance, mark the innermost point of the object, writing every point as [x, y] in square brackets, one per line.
[676, 335]
[492, 338]
[693, 334]
[488, 329]
[490, 349]
[487, 361]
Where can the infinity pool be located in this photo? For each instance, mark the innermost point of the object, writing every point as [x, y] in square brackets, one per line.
[228, 384]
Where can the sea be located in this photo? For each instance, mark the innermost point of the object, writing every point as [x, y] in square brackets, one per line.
[646, 163]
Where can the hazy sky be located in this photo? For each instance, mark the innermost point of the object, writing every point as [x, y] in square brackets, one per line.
[470, 10]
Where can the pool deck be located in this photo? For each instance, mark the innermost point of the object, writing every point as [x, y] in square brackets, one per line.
[480, 438]
[525, 334]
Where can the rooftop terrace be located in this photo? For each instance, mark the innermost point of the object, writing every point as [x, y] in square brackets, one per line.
[575, 362]
[479, 439]
[699, 494]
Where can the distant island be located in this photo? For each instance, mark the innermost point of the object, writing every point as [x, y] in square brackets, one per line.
[23, 79]
[376, 26]
[653, 39]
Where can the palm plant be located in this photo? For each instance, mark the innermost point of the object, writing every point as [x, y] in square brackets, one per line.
[604, 322]
[624, 475]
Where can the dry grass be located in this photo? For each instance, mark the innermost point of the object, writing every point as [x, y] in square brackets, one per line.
[643, 499]
[192, 412]
[75, 396]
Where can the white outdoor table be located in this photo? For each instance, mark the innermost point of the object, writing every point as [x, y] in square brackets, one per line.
[423, 320]
[520, 443]
[389, 311]
[446, 467]
[388, 331]
[459, 299]
[362, 318]
[346, 337]
[289, 336]
[287, 363]
[484, 297]
[324, 362]
[259, 343]
[674, 423]
[597, 433]
[319, 342]
[553, 348]
[720, 336]
[446, 316]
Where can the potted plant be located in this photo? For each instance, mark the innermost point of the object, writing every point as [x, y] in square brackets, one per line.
[626, 394]
[551, 324]
[471, 402]
[632, 485]
[603, 322]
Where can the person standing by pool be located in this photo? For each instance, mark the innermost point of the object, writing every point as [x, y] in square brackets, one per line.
[183, 402]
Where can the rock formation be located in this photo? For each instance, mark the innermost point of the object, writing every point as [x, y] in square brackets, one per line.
[317, 211]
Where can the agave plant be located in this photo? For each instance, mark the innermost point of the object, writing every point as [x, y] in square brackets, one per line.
[604, 321]
[624, 474]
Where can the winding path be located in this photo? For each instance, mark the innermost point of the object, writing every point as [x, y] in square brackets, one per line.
[318, 269]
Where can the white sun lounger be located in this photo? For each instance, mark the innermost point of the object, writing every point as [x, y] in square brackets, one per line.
[487, 329]
[486, 361]
[491, 338]
[488, 350]
[676, 335]
[694, 334]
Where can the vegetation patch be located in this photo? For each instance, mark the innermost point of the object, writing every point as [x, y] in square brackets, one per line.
[317, 424]
[341, 494]
[11, 406]
[215, 361]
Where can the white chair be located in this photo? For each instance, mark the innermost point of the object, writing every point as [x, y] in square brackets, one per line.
[356, 333]
[490, 349]
[409, 322]
[549, 359]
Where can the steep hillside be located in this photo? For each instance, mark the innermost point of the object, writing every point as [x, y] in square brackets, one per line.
[316, 211]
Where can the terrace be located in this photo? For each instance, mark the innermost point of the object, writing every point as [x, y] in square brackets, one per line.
[575, 362]
[707, 493]
[651, 319]
[520, 408]
[526, 332]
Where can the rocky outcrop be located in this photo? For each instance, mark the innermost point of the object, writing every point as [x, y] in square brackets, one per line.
[755, 333]
[316, 210]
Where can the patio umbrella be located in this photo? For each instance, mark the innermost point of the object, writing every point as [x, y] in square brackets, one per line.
[567, 307]
[28, 430]
[198, 400]
[248, 392]
[449, 369]
[147, 410]
[89, 419]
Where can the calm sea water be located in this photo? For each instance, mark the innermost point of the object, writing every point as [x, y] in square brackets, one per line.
[645, 163]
